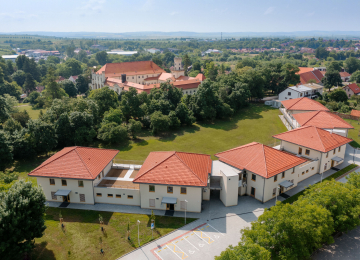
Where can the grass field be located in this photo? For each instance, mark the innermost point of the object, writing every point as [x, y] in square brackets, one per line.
[354, 133]
[255, 123]
[82, 237]
[33, 113]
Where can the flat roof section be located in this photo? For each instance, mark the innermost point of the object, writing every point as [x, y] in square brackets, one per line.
[119, 173]
[119, 184]
[226, 169]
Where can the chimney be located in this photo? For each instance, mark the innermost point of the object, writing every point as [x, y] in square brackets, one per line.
[123, 78]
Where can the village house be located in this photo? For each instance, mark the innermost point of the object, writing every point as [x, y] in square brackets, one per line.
[352, 89]
[310, 74]
[306, 90]
[345, 77]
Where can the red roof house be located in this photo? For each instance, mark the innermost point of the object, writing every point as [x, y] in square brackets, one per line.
[75, 163]
[321, 119]
[175, 168]
[303, 104]
[260, 159]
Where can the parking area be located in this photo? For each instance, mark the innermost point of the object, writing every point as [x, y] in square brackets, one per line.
[190, 245]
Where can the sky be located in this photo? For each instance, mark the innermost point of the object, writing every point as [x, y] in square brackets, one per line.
[118, 16]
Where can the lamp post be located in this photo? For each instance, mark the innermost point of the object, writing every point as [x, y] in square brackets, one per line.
[138, 222]
[185, 209]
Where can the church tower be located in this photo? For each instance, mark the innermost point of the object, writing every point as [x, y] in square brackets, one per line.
[178, 69]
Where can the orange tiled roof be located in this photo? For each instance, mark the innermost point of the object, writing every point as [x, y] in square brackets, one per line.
[75, 163]
[321, 119]
[165, 76]
[315, 75]
[175, 168]
[303, 103]
[304, 69]
[260, 159]
[130, 68]
[200, 77]
[355, 113]
[314, 138]
[344, 74]
[354, 87]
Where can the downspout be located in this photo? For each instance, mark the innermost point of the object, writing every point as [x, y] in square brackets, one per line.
[263, 192]
[93, 191]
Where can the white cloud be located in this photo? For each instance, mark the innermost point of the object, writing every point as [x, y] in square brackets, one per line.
[269, 10]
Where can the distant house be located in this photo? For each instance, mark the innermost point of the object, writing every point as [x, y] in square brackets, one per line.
[306, 90]
[124, 53]
[309, 74]
[345, 76]
[152, 50]
[355, 113]
[60, 78]
[73, 79]
[10, 57]
[40, 88]
[352, 89]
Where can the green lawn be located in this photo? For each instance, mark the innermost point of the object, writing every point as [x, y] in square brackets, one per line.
[255, 123]
[354, 133]
[82, 237]
[33, 113]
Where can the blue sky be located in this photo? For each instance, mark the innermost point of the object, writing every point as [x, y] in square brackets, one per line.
[185, 15]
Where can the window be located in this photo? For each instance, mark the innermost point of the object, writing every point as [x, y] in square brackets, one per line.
[292, 181]
[289, 93]
[253, 177]
[275, 178]
[334, 151]
[283, 175]
[300, 94]
[151, 188]
[302, 173]
[274, 191]
[98, 194]
[183, 190]
[130, 196]
[151, 202]
[253, 191]
[183, 205]
[99, 176]
[307, 171]
[169, 189]
[81, 183]
[300, 150]
[339, 149]
[139, 76]
[118, 196]
[307, 152]
[325, 166]
[132, 77]
[63, 183]
[53, 197]
[327, 155]
[293, 170]
[110, 195]
[82, 197]
[312, 168]
[52, 181]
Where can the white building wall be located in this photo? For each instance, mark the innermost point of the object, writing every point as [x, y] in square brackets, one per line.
[284, 95]
[229, 190]
[72, 185]
[271, 184]
[258, 184]
[193, 196]
[124, 193]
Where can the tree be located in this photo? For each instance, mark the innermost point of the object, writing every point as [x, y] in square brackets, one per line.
[187, 62]
[334, 65]
[69, 88]
[64, 132]
[352, 64]
[255, 82]
[4, 109]
[6, 156]
[82, 84]
[353, 180]
[159, 122]
[101, 57]
[211, 71]
[105, 98]
[32, 97]
[31, 67]
[74, 67]
[112, 133]
[84, 136]
[19, 76]
[10, 68]
[20, 61]
[245, 251]
[52, 88]
[52, 60]
[332, 78]
[113, 115]
[321, 53]
[338, 95]
[22, 215]
[42, 136]
[184, 114]
[134, 127]
[22, 146]
[355, 76]
[11, 89]
[22, 117]
[11, 126]
[30, 84]
[174, 121]
[130, 104]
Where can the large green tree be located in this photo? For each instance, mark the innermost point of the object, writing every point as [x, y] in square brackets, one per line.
[352, 64]
[29, 84]
[19, 76]
[69, 88]
[130, 104]
[82, 84]
[355, 76]
[105, 98]
[332, 78]
[101, 57]
[112, 133]
[42, 136]
[6, 156]
[22, 211]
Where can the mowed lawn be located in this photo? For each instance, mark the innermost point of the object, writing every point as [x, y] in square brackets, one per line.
[257, 123]
[354, 133]
[33, 113]
[82, 237]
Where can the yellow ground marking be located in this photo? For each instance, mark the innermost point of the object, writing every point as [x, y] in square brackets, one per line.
[183, 255]
[159, 251]
[207, 226]
[176, 241]
[187, 237]
[204, 237]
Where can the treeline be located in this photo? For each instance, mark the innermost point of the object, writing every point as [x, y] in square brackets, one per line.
[295, 231]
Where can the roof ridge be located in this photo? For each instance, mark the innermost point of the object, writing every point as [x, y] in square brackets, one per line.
[266, 170]
[316, 113]
[83, 163]
[189, 168]
[42, 165]
[315, 75]
[239, 147]
[322, 143]
[137, 177]
[296, 102]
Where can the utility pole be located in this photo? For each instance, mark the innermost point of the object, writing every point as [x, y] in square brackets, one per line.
[138, 232]
[185, 209]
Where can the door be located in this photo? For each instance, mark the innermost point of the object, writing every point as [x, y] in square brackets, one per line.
[300, 150]
[66, 198]
[332, 163]
[169, 206]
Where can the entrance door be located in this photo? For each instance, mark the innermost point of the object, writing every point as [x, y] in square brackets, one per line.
[66, 198]
[170, 206]
[332, 163]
